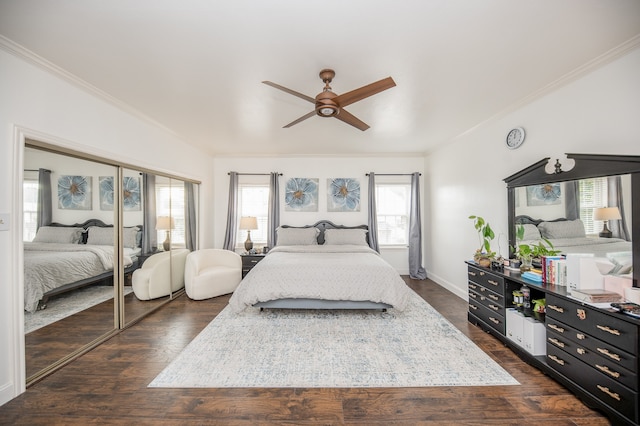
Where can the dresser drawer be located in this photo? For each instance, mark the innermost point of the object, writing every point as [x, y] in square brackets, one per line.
[610, 392]
[611, 330]
[489, 299]
[593, 359]
[488, 316]
[249, 261]
[616, 357]
[486, 279]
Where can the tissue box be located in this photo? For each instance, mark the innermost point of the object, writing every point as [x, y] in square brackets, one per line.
[617, 283]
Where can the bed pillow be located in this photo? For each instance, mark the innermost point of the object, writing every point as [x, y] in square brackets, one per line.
[562, 229]
[531, 232]
[297, 236]
[104, 236]
[345, 236]
[58, 234]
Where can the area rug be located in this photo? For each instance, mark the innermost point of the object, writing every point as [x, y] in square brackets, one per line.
[67, 304]
[315, 348]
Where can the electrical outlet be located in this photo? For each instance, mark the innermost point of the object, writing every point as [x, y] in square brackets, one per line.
[4, 221]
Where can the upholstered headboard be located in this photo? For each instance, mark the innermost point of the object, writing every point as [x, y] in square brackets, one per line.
[100, 224]
[323, 225]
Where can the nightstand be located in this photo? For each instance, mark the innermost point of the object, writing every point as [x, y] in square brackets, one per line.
[249, 261]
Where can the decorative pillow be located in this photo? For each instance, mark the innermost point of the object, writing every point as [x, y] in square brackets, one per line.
[531, 232]
[100, 236]
[58, 234]
[345, 236]
[103, 236]
[562, 229]
[297, 236]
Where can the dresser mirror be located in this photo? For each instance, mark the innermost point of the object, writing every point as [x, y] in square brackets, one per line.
[559, 198]
[79, 269]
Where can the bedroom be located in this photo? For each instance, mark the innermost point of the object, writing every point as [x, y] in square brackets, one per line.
[593, 111]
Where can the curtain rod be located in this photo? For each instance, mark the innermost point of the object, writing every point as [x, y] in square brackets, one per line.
[394, 174]
[36, 170]
[255, 174]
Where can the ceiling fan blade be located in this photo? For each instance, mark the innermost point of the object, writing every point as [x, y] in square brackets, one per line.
[351, 119]
[364, 92]
[291, 92]
[304, 117]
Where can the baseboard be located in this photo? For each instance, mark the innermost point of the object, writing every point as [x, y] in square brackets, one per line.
[7, 393]
[461, 293]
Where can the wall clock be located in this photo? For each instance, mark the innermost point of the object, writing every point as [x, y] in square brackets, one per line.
[515, 138]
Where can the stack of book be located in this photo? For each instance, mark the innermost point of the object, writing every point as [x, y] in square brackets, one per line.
[596, 296]
[554, 270]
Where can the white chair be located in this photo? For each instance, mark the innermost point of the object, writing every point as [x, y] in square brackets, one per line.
[212, 272]
[160, 275]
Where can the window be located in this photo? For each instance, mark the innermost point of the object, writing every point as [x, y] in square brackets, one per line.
[170, 202]
[253, 200]
[593, 195]
[30, 201]
[393, 202]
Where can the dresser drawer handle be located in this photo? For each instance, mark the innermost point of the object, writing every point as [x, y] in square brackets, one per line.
[581, 351]
[580, 336]
[556, 342]
[603, 351]
[556, 308]
[494, 297]
[608, 392]
[494, 307]
[473, 295]
[473, 274]
[609, 330]
[474, 307]
[556, 359]
[605, 369]
[473, 286]
[556, 328]
[493, 320]
[481, 274]
[492, 282]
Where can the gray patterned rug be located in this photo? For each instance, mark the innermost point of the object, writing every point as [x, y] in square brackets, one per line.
[67, 304]
[313, 348]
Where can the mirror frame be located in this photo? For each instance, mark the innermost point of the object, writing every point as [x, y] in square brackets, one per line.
[586, 166]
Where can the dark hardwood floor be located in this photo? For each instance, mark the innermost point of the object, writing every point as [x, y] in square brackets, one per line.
[109, 386]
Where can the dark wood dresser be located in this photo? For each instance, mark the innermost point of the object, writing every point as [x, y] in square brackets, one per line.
[592, 351]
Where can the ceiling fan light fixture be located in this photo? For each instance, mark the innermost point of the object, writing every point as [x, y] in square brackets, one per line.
[327, 111]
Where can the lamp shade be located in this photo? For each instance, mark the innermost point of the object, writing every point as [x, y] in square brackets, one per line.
[165, 223]
[607, 213]
[248, 222]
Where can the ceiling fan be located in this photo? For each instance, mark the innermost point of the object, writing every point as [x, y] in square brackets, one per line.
[328, 104]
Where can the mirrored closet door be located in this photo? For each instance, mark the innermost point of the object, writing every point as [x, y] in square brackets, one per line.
[84, 278]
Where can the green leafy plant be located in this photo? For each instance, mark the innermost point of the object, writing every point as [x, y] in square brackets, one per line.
[532, 251]
[485, 235]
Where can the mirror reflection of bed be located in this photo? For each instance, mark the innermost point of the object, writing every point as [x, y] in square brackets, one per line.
[70, 300]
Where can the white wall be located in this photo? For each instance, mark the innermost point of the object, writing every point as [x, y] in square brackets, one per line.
[36, 104]
[596, 114]
[321, 168]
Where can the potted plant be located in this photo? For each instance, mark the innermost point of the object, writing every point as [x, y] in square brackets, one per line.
[484, 254]
[530, 253]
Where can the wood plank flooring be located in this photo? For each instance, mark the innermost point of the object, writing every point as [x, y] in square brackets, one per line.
[109, 386]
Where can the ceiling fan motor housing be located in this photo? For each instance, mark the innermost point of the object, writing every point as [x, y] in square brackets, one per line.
[325, 105]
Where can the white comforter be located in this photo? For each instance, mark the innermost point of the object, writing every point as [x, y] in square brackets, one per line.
[333, 272]
[48, 266]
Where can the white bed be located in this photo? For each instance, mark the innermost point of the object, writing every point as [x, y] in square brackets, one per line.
[64, 258]
[342, 272]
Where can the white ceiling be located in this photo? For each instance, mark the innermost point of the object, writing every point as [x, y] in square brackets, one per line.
[196, 66]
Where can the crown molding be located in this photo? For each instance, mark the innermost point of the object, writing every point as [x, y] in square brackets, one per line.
[590, 66]
[25, 54]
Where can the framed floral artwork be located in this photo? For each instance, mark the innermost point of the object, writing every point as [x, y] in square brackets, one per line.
[542, 195]
[343, 195]
[74, 192]
[301, 195]
[131, 193]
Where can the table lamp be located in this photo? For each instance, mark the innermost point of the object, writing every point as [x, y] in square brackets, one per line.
[248, 223]
[166, 223]
[606, 214]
